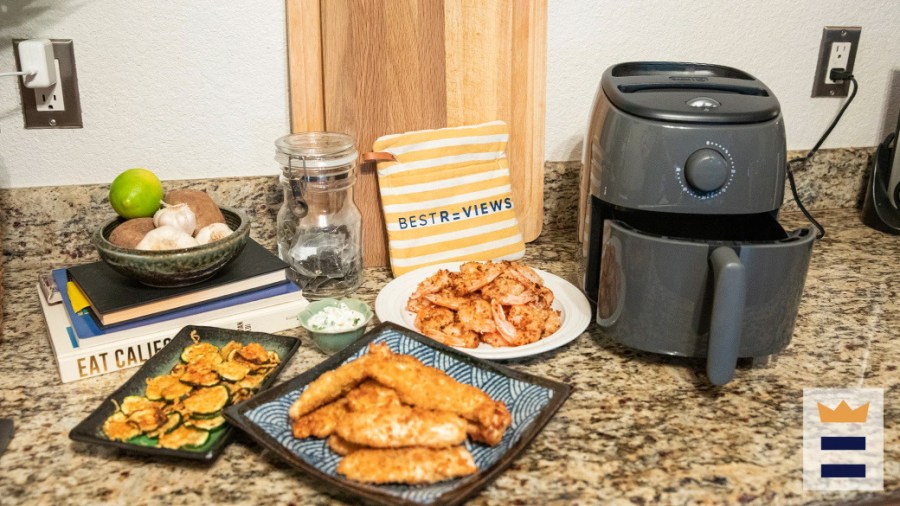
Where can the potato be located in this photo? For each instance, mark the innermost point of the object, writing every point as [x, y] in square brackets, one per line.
[130, 233]
[205, 209]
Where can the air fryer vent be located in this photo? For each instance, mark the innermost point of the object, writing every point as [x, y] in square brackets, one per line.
[698, 87]
[689, 93]
[687, 70]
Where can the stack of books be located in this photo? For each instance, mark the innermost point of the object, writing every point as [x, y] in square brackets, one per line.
[100, 321]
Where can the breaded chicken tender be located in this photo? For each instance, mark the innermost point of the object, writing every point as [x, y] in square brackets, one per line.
[430, 388]
[371, 394]
[408, 465]
[321, 422]
[329, 386]
[395, 420]
[401, 426]
[341, 446]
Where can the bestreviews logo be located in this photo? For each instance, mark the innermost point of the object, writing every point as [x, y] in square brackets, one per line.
[843, 439]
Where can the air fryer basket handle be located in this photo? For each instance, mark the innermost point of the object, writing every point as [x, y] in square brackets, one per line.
[727, 309]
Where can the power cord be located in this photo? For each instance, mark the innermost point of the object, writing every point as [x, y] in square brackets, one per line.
[6, 74]
[836, 75]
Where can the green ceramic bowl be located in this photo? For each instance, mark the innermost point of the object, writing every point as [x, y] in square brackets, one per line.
[333, 342]
[177, 267]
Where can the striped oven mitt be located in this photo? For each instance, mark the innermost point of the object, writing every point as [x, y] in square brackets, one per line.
[447, 197]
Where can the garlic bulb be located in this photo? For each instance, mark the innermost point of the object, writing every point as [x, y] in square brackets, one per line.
[166, 237]
[179, 216]
[213, 232]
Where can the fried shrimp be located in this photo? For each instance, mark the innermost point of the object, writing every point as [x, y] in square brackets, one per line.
[522, 324]
[441, 324]
[524, 273]
[447, 300]
[457, 308]
[433, 284]
[509, 291]
[474, 275]
[475, 314]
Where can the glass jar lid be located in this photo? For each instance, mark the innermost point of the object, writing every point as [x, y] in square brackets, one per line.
[316, 150]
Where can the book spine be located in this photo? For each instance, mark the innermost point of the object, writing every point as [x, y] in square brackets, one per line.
[200, 318]
[134, 352]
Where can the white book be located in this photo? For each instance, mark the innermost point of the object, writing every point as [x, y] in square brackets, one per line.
[76, 363]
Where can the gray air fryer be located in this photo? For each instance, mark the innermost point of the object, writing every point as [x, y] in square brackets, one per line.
[683, 253]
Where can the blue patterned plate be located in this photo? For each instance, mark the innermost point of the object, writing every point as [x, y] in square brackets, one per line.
[531, 400]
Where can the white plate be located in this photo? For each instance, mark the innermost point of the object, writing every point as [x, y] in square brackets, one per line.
[390, 306]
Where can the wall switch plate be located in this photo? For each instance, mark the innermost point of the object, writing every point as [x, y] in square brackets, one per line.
[57, 106]
[837, 50]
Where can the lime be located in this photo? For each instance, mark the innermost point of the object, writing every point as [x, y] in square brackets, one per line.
[136, 193]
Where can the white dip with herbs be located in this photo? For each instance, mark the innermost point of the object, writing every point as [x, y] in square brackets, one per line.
[340, 318]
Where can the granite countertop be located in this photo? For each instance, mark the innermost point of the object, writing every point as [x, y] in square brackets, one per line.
[638, 428]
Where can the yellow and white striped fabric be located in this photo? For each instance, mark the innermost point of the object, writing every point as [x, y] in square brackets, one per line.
[448, 196]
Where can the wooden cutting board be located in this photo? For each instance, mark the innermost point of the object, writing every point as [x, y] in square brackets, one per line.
[370, 68]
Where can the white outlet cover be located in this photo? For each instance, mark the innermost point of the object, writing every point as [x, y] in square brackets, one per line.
[840, 53]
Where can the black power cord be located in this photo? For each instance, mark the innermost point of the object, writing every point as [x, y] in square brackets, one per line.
[836, 75]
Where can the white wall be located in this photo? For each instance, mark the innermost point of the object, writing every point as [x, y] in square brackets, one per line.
[777, 41]
[187, 89]
[199, 89]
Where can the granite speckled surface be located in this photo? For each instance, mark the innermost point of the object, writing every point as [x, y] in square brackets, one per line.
[638, 429]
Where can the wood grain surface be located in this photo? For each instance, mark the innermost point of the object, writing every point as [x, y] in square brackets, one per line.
[384, 73]
[304, 36]
[398, 65]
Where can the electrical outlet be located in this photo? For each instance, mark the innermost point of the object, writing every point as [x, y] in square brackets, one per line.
[57, 106]
[52, 98]
[837, 51]
[840, 52]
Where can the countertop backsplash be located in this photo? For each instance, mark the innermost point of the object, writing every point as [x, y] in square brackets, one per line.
[60, 219]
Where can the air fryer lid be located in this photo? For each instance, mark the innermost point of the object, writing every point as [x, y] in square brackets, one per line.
[689, 93]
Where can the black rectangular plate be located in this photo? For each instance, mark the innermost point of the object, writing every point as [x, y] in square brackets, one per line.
[90, 430]
[463, 488]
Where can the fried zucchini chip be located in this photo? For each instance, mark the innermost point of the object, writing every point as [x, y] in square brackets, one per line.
[173, 420]
[254, 353]
[196, 350]
[148, 419]
[207, 424]
[200, 374]
[209, 400]
[232, 371]
[182, 408]
[134, 403]
[183, 436]
[168, 388]
[229, 348]
[252, 381]
[119, 428]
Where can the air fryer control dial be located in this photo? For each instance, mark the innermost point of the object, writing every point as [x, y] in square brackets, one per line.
[706, 170]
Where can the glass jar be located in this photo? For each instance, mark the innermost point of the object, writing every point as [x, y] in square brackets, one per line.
[318, 225]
